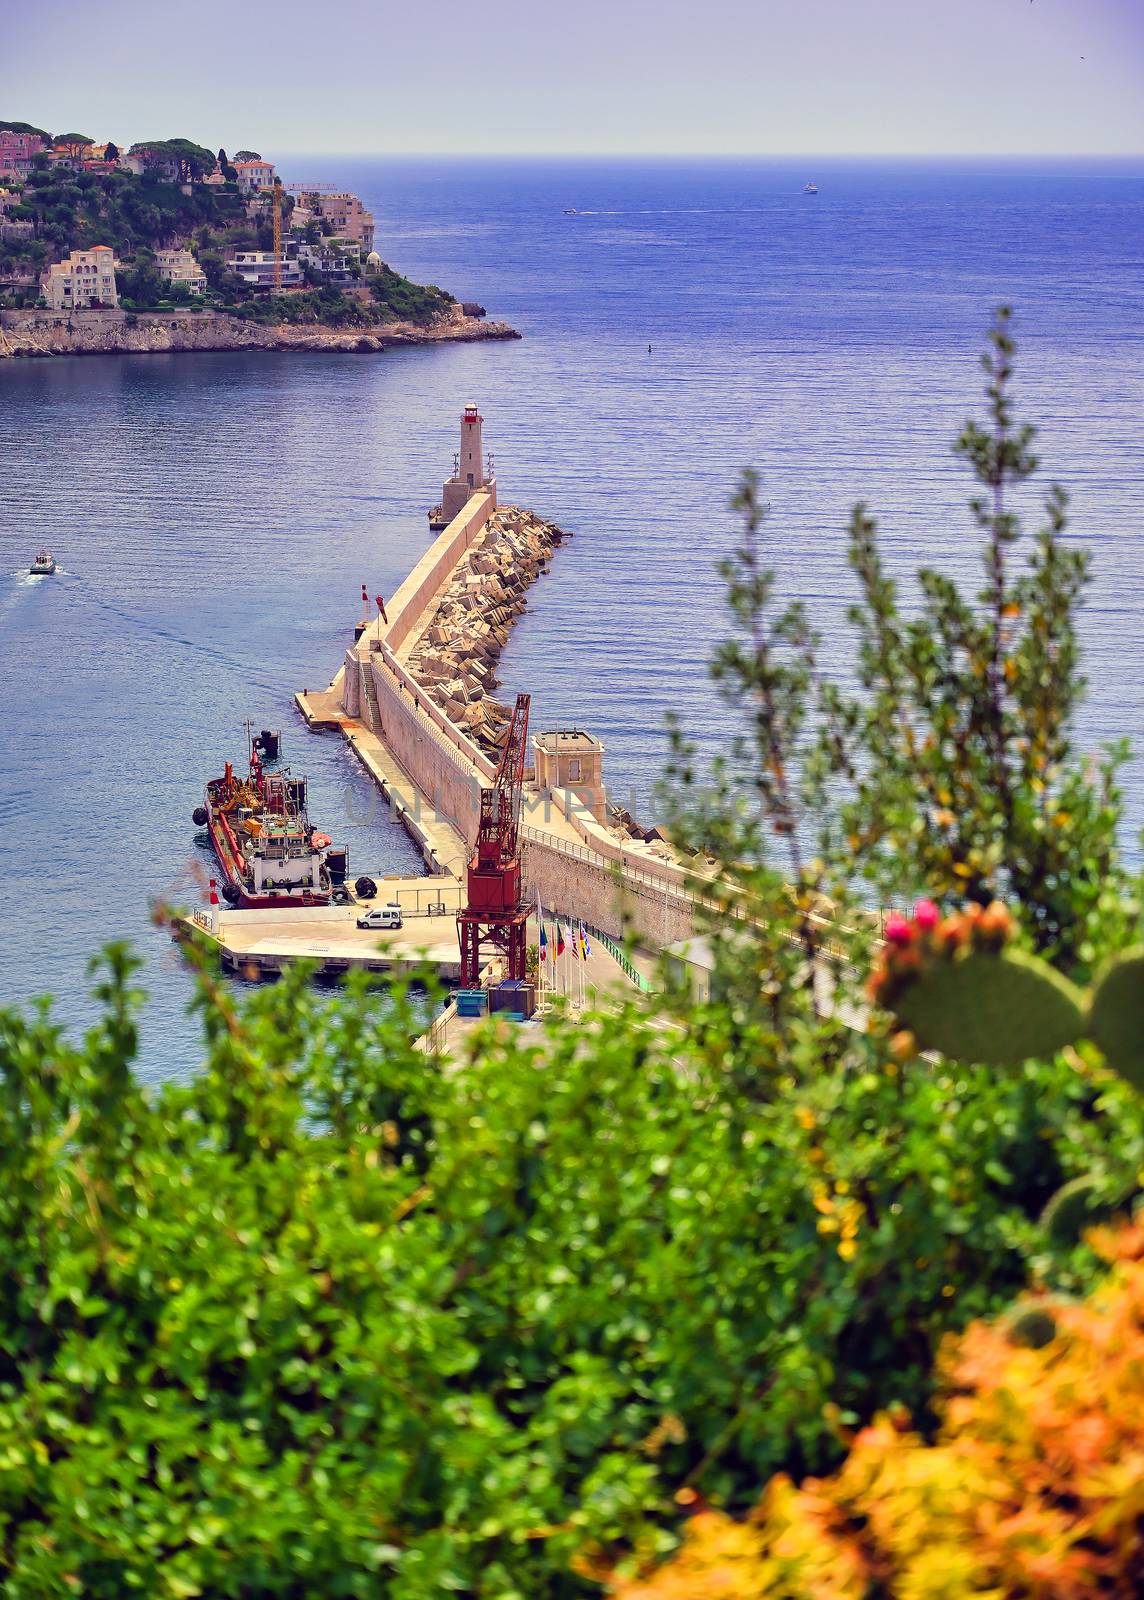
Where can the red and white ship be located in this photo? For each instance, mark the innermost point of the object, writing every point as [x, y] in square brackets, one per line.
[259, 828]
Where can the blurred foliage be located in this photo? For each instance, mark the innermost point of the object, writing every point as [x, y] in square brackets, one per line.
[1032, 1486]
[328, 1319]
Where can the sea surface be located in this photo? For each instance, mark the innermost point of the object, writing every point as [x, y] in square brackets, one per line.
[216, 515]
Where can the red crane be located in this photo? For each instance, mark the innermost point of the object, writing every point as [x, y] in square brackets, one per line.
[495, 914]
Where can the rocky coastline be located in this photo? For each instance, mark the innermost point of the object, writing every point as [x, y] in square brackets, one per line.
[37, 334]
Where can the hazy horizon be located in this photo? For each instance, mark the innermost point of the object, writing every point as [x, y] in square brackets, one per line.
[738, 78]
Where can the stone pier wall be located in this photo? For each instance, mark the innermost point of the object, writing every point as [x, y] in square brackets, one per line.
[585, 885]
[439, 770]
[435, 568]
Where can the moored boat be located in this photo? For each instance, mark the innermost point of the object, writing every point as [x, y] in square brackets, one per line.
[44, 565]
[267, 850]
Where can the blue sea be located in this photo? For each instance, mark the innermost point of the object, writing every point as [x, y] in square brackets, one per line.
[216, 515]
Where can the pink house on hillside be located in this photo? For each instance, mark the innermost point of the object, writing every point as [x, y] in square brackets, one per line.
[17, 147]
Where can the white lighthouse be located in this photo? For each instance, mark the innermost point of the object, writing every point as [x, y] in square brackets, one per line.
[471, 473]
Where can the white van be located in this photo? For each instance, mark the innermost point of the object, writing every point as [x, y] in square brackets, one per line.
[381, 917]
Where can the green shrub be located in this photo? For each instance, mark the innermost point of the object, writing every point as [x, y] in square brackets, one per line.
[326, 1319]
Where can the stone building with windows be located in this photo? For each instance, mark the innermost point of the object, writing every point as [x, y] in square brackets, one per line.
[572, 761]
[256, 267]
[181, 266]
[86, 278]
[343, 213]
[17, 151]
[254, 176]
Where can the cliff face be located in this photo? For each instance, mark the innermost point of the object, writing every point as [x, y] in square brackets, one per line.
[53, 333]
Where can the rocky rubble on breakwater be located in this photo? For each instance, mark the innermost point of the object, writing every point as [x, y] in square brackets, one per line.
[456, 654]
[31, 334]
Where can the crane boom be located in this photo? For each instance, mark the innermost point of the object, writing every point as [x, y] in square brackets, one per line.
[500, 805]
[276, 209]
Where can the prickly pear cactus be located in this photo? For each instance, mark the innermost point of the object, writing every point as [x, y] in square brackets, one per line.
[997, 1009]
[1116, 1015]
[955, 987]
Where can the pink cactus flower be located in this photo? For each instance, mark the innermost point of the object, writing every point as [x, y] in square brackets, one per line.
[898, 931]
[926, 915]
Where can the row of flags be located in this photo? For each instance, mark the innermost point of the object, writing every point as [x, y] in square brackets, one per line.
[576, 941]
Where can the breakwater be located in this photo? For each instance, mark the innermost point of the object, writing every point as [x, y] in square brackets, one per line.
[34, 334]
[413, 697]
[455, 657]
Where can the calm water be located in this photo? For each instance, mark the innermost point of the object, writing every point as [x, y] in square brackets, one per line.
[215, 516]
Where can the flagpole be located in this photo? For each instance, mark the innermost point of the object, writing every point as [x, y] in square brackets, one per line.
[542, 962]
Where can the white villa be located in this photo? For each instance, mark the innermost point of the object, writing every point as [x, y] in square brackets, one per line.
[181, 266]
[86, 278]
[254, 176]
[256, 267]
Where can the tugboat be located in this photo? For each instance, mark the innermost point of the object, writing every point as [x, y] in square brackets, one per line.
[267, 850]
[44, 565]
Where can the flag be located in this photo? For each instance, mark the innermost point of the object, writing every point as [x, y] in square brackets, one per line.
[559, 937]
[585, 947]
[572, 934]
[381, 608]
[543, 944]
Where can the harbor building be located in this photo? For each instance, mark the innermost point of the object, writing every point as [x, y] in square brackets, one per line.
[86, 278]
[572, 762]
[181, 266]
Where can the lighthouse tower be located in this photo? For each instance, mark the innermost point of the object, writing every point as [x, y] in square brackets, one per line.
[471, 474]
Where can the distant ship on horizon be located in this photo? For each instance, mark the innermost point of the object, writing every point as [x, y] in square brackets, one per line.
[810, 187]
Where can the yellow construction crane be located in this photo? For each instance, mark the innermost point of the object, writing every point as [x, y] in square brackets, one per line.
[276, 212]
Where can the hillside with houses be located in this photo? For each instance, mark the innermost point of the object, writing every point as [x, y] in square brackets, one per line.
[168, 224]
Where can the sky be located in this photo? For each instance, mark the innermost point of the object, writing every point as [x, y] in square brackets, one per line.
[705, 77]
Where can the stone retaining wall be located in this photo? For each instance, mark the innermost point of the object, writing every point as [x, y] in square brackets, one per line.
[54, 333]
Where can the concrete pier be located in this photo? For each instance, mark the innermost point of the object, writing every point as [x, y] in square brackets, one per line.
[413, 699]
[258, 944]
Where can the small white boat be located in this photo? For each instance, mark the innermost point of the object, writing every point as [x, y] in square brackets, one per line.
[44, 565]
[571, 211]
[810, 187]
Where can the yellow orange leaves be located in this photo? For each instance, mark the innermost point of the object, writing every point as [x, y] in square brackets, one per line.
[1034, 1486]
